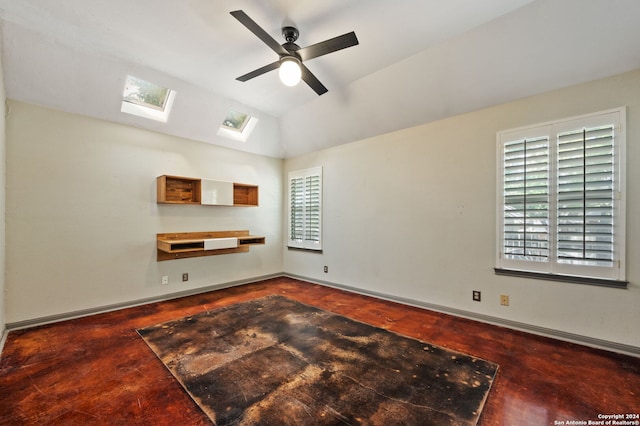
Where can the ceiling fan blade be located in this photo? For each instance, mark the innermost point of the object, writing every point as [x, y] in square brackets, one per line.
[328, 46]
[259, 71]
[259, 32]
[312, 81]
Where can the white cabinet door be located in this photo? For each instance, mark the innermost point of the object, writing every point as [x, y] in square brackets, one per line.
[216, 193]
[220, 243]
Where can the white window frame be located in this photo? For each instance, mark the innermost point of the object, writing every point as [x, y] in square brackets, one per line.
[238, 135]
[150, 112]
[552, 267]
[302, 242]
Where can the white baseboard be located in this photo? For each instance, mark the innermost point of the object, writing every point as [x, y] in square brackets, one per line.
[117, 306]
[529, 328]
[514, 325]
[3, 339]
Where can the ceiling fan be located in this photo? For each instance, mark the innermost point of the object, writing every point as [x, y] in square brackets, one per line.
[291, 55]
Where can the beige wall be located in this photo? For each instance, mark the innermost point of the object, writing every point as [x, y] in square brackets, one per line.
[412, 214]
[2, 202]
[82, 216]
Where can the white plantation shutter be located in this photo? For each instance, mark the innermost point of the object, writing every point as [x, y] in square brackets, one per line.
[305, 209]
[586, 211]
[561, 192]
[526, 199]
[297, 193]
[312, 208]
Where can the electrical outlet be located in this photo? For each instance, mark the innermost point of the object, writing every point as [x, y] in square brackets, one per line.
[504, 299]
[165, 279]
[185, 277]
[326, 269]
[476, 295]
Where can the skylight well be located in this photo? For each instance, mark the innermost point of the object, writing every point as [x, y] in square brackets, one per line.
[236, 121]
[146, 99]
[237, 126]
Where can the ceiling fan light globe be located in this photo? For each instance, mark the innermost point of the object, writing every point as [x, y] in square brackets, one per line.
[290, 72]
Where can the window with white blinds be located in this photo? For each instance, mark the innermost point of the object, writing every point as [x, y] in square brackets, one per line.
[526, 199]
[561, 193]
[305, 209]
[586, 196]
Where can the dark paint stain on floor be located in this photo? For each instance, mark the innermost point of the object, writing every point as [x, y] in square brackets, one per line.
[277, 361]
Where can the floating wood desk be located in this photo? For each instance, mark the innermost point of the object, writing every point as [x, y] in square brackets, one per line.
[180, 245]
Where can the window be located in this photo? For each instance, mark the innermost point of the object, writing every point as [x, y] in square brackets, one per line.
[236, 121]
[146, 99]
[561, 198]
[237, 126]
[305, 209]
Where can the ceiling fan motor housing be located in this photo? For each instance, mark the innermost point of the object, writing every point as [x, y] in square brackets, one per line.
[290, 34]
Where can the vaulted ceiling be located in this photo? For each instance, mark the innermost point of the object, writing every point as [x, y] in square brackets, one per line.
[417, 61]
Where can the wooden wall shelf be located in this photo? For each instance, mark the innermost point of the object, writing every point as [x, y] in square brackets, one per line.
[186, 190]
[180, 245]
[178, 190]
[245, 195]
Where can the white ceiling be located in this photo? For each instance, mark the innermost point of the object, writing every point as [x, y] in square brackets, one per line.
[417, 61]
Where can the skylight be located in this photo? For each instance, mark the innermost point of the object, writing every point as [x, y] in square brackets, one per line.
[146, 99]
[237, 126]
[236, 121]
